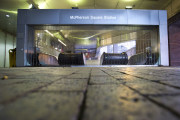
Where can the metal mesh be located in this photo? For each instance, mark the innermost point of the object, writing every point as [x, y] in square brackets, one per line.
[140, 43]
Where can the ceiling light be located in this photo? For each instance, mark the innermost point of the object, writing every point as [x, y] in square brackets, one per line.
[66, 35]
[7, 15]
[49, 33]
[30, 6]
[42, 5]
[129, 7]
[75, 1]
[61, 42]
[7, 11]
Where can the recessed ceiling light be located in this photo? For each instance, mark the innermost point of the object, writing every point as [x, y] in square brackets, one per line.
[129, 7]
[66, 35]
[7, 15]
[76, 1]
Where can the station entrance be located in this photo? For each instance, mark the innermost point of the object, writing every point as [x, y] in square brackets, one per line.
[92, 37]
[93, 45]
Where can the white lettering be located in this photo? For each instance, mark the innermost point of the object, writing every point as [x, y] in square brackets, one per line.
[96, 17]
[71, 17]
[93, 17]
[79, 17]
[110, 17]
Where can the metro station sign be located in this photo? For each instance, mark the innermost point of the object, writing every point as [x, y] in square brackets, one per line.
[93, 17]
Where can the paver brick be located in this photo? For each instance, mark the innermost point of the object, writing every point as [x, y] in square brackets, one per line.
[171, 101]
[101, 93]
[67, 85]
[116, 102]
[153, 88]
[43, 106]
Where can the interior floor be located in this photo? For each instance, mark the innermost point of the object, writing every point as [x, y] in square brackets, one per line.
[100, 93]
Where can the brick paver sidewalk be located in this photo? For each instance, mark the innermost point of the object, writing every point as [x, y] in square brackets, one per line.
[104, 93]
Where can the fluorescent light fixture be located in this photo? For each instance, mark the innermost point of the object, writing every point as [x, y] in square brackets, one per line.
[61, 42]
[53, 36]
[129, 7]
[7, 15]
[86, 38]
[3, 10]
[47, 31]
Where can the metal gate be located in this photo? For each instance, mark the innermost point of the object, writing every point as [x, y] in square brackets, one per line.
[139, 43]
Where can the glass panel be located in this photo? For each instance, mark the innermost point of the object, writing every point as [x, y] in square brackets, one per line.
[110, 49]
[2, 48]
[139, 43]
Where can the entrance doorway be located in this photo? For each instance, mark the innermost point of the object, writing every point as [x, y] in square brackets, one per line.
[139, 45]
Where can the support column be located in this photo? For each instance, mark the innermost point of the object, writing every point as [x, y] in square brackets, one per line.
[163, 35]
